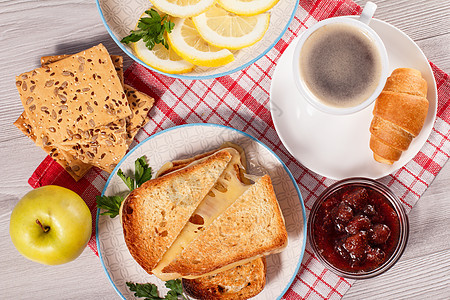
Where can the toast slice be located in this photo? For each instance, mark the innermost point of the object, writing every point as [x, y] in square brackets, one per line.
[239, 283]
[154, 214]
[251, 227]
[181, 163]
[226, 190]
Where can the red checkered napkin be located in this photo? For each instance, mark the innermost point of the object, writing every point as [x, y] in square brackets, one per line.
[241, 101]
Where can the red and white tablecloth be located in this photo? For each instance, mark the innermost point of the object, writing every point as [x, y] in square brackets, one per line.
[241, 101]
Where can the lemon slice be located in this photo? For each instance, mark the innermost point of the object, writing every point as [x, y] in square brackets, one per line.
[187, 43]
[228, 30]
[162, 59]
[247, 7]
[182, 8]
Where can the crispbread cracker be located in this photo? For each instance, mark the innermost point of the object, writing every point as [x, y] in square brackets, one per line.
[102, 146]
[76, 168]
[24, 125]
[119, 143]
[117, 61]
[140, 105]
[99, 146]
[73, 166]
[79, 91]
[46, 60]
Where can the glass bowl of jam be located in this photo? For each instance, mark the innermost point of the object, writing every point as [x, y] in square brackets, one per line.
[358, 228]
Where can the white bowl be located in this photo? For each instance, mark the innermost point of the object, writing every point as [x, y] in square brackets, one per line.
[121, 16]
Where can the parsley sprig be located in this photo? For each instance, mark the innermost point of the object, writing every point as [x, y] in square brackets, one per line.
[142, 173]
[150, 291]
[111, 205]
[151, 30]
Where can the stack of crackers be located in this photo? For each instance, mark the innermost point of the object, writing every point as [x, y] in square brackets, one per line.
[79, 111]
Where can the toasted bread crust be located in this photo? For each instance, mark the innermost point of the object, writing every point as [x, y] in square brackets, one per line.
[252, 226]
[178, 164]
[154, 214]
[239, 283]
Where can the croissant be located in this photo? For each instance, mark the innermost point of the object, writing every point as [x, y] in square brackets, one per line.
[399, 114]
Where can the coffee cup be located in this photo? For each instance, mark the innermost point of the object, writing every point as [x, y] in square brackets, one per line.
[340, 64]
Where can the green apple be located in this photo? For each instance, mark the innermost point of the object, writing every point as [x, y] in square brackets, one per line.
[50, 225]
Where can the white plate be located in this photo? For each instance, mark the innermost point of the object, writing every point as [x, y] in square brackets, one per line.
[338, 146]
[186, 141]
[121, 16]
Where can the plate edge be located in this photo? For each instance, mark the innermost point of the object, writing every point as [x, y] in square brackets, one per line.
[300, 198]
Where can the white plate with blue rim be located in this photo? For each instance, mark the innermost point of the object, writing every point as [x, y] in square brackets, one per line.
[337, 146]
[186, 141]
[121, 16]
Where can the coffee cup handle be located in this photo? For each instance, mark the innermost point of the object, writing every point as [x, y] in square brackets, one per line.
[368, 12]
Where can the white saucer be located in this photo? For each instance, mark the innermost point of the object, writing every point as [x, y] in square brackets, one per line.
[338, 146]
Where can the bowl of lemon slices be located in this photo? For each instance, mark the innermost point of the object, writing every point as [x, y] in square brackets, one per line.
[196, 39]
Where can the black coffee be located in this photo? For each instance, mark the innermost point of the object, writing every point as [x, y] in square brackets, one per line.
[340, 65]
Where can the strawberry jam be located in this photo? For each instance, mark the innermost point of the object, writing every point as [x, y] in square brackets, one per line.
[356, 229]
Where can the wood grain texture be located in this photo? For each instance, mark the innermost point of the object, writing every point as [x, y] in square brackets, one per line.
[30, 29]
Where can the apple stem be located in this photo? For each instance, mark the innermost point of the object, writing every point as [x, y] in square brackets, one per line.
[44, 228]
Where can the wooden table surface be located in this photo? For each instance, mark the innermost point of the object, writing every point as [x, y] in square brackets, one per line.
[30, 29]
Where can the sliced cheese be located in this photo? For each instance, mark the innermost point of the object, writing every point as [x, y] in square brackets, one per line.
[226, 190]
[169, 166]
[164, 168]
[175, 165]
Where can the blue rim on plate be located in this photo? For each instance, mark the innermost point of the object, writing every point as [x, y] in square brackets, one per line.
[181, 76]
[211, 125]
